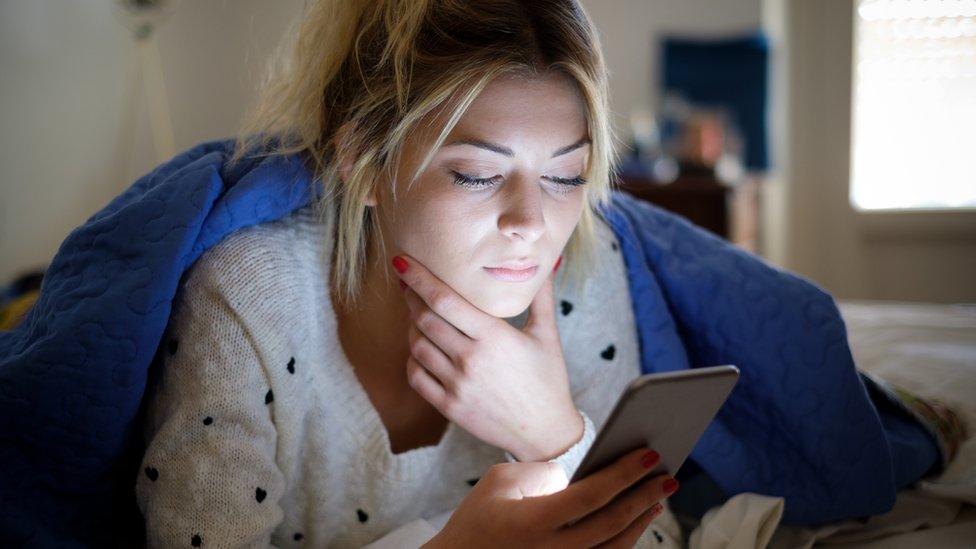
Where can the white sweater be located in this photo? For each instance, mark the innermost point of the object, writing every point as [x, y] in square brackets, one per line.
[259, 433]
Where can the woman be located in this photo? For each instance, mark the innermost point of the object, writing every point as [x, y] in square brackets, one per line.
[312, 394]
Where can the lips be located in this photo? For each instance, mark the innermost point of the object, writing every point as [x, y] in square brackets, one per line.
[512, 275]
[516, 264]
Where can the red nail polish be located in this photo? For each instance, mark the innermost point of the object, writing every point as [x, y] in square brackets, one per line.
[403, 285]
[649, 459]
[400, 264]
[670, 486]
[558, 261]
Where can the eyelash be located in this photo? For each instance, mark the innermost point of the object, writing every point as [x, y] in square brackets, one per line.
[480, 183]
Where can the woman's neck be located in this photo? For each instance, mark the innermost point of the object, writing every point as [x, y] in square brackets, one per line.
[373, 333]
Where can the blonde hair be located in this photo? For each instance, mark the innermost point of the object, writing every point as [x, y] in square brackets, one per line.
[353, 78]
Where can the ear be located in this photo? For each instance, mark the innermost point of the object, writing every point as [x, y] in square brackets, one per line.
[346, 160]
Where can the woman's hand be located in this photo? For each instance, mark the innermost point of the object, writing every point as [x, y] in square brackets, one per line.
[524, 505]
[506, 386]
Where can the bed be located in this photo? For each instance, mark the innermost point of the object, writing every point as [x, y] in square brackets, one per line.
[927, 349]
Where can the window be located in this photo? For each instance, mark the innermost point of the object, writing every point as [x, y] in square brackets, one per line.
[914, 105]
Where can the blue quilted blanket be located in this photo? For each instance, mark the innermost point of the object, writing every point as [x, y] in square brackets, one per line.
[800, 424]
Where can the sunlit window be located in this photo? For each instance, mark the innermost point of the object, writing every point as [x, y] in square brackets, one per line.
[914, 105]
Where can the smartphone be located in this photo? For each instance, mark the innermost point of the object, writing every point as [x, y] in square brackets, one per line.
[666, 412]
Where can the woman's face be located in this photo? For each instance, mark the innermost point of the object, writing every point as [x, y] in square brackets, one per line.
[503, 191]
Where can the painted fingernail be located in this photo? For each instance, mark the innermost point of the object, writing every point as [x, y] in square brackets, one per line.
[656, 508]
[558, 261]
[649, 459]
[400, 264]
[670, 486]
[403, 285]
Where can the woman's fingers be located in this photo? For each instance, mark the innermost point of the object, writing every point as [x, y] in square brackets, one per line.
[628, 538]
[598, 489]
[426, 385]
[442, 299]
[430, 357]
[441, 333]
[614, 518]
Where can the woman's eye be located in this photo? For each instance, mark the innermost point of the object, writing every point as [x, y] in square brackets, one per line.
[474, 182]
[483, 182]
[569, 182]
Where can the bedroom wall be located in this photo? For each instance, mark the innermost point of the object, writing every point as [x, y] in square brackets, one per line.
[910, 256]
[74, 131]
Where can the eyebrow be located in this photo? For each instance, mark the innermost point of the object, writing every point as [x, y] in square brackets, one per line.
[495, 148]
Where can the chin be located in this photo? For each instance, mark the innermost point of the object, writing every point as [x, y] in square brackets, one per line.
[504, 302]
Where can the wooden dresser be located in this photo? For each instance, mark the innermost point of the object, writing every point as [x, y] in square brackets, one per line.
[729, 212]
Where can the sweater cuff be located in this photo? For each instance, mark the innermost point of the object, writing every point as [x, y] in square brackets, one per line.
[571, 458]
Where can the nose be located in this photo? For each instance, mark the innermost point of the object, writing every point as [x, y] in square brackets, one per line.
[522, 216]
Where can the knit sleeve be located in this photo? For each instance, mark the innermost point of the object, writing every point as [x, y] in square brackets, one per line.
[209, 474]
[571, 458]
